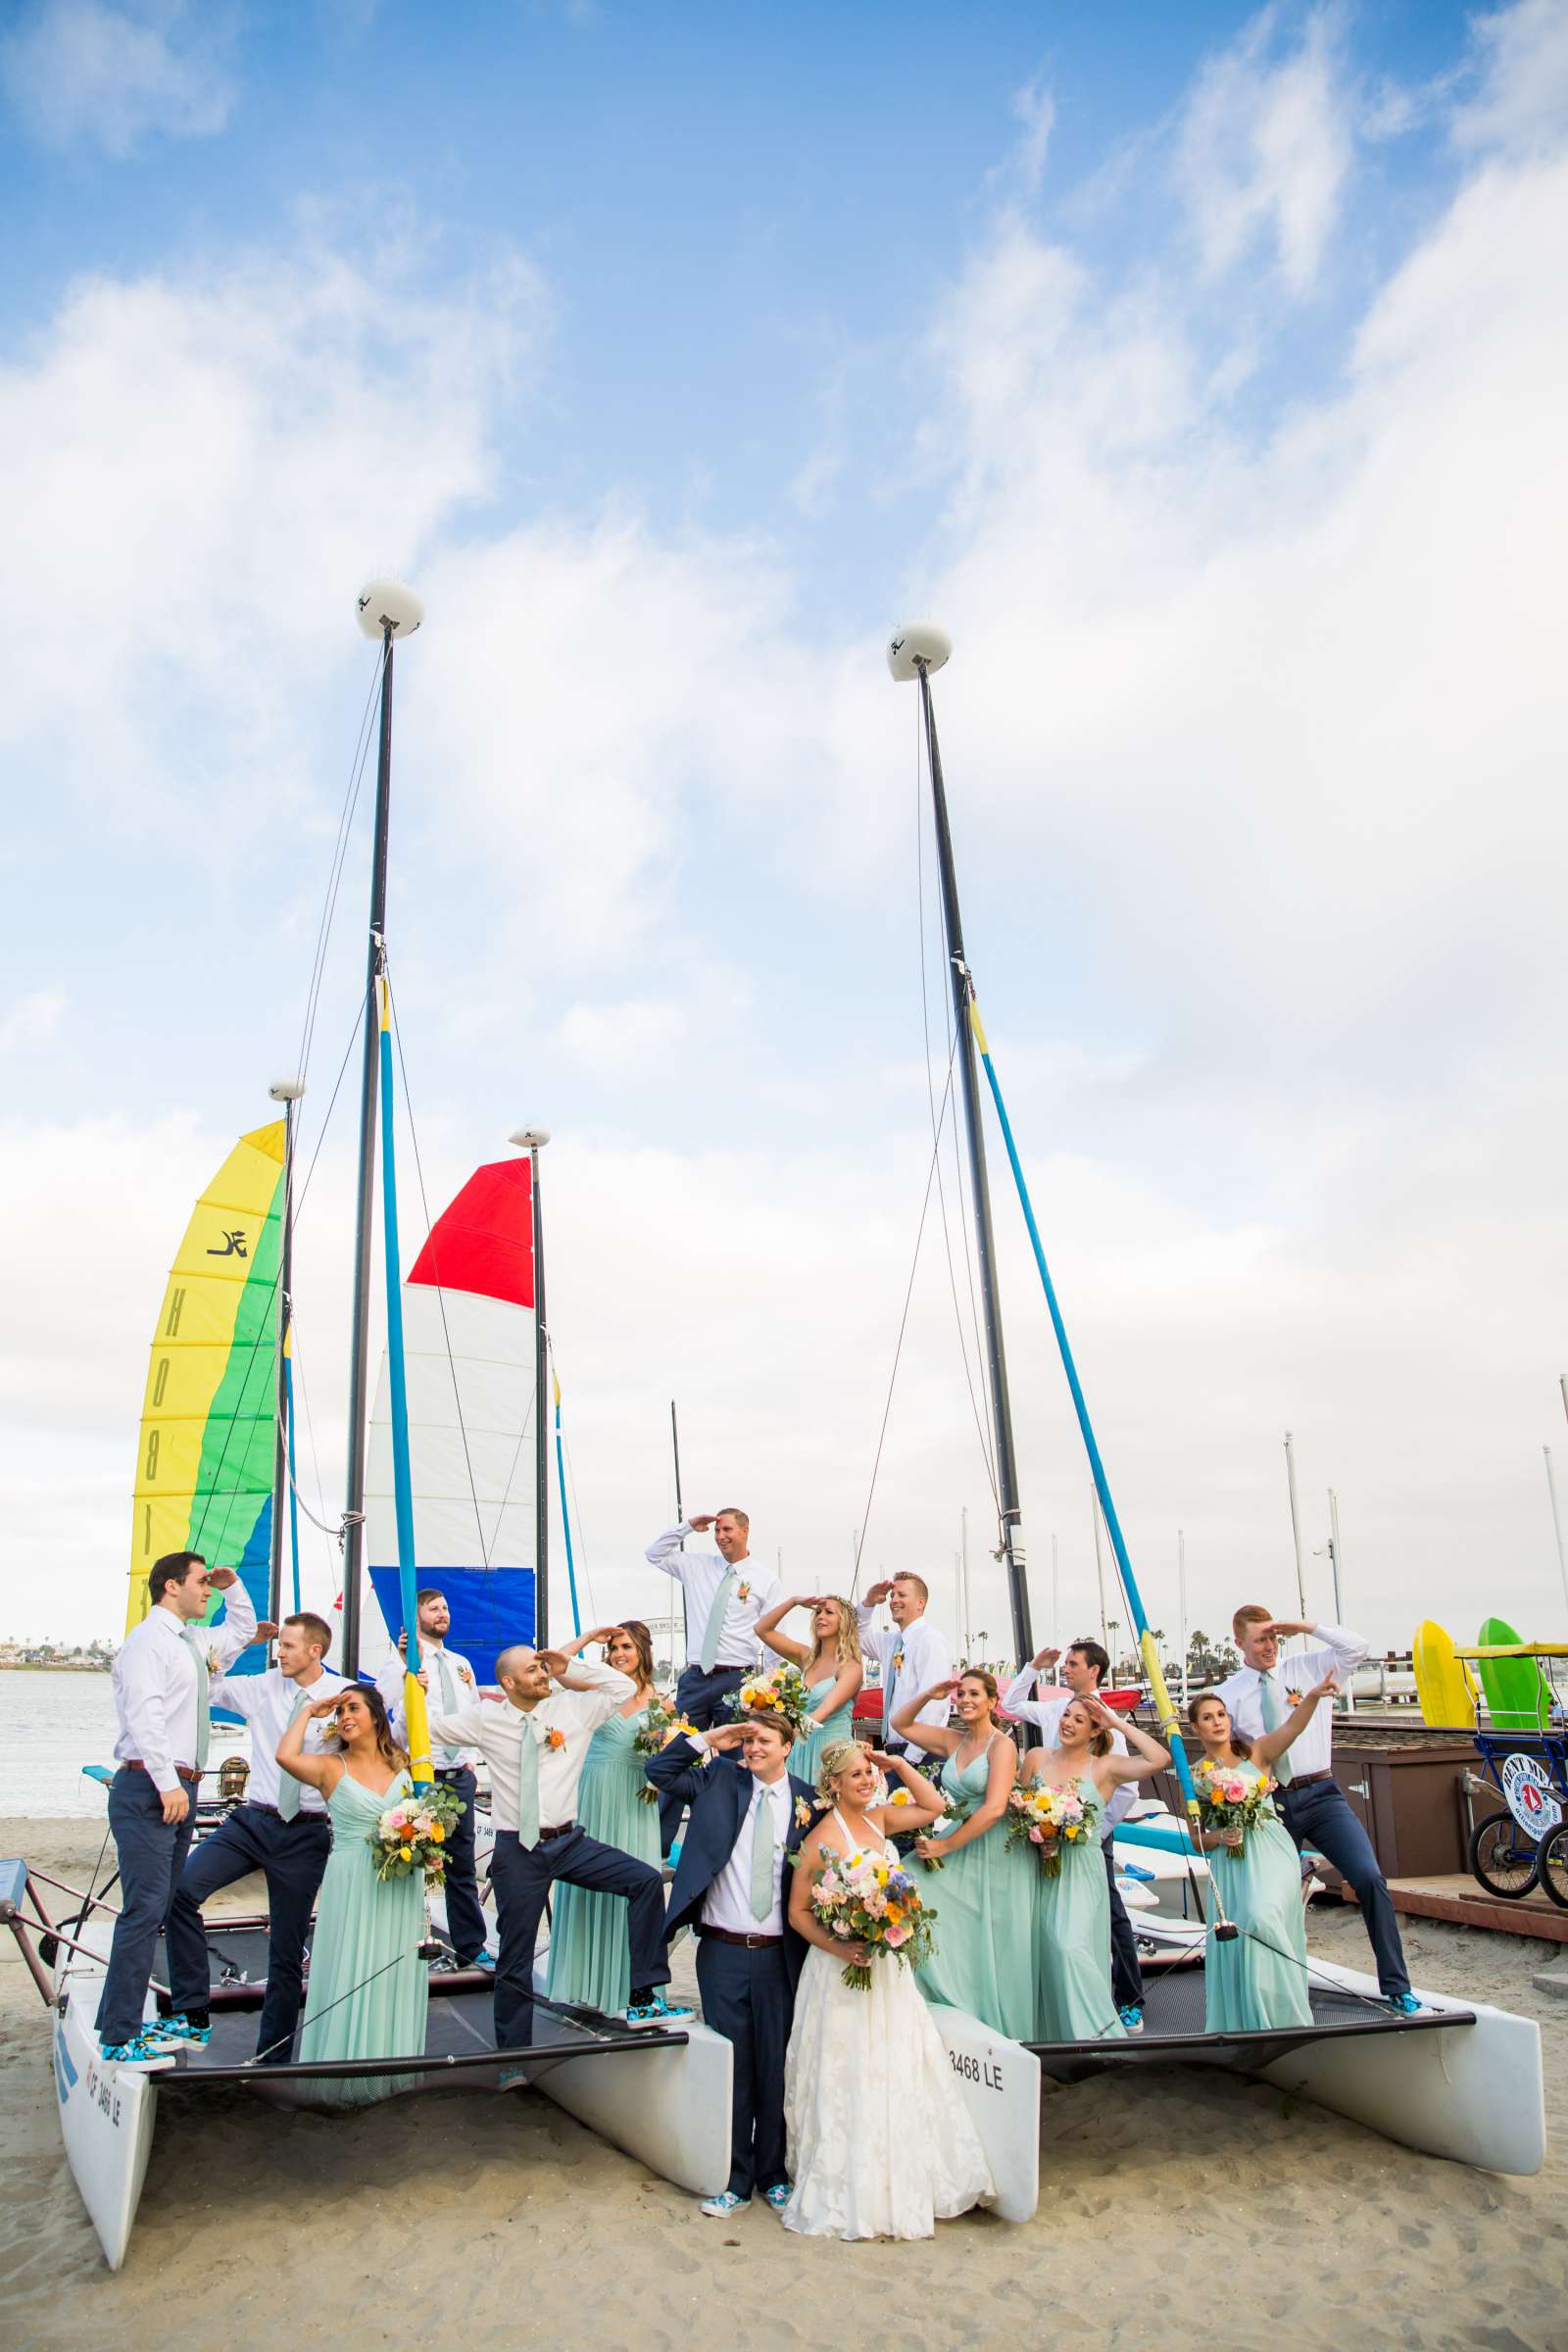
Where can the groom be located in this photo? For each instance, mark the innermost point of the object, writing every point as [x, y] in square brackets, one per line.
[747, 1818]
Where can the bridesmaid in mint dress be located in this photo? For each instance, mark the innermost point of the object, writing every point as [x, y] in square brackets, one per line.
[830, 1669]
[1258, 1978]
[590, 1951]
[1073, 1998]
[368, 1988]
[984, 1896]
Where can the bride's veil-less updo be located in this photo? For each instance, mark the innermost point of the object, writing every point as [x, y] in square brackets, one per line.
[831, 1762]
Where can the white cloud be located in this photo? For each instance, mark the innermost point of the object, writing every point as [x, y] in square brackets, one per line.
[32, 1020]
[1521, 101]
[81, 73]
[1264, 150]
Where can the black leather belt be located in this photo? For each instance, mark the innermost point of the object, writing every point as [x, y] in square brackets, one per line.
[1303, 1780]
[254, 1804]
[750, 1943]
[187, 1772]
[562, 1829]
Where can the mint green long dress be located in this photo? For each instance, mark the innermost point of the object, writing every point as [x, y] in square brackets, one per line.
[355, 2004]
[1074, 1944]
[590, 1949]
[805, 1751]
[1258, 1978]
[983, 1896]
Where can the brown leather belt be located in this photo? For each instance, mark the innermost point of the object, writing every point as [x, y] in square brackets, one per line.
[187, 1772]
[562, 1829]
[749, 1944]
[1303, 1780]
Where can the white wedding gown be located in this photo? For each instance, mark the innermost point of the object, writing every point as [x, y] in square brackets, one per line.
[880, 2141]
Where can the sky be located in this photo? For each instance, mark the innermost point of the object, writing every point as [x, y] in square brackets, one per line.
[1201, 370]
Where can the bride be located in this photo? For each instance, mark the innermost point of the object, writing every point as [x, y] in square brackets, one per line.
[880, 2141]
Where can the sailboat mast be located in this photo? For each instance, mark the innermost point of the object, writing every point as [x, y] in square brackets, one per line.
[388, 611]
[286, 1091]
[915, 653]
[533, 1140]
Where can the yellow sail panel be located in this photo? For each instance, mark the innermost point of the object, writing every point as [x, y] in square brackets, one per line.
[203, 1459]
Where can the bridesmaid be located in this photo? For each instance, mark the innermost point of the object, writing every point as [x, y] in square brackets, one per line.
[982, 1959]
[1074, 1999]
[830, 1669]
[590, 1951]
[1258, 1978]
[367, 1989]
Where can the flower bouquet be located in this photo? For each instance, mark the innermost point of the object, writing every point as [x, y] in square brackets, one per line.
[664, 1722]
[782, 1693]
[871, 1899]
[954, 1816]
[412, 1834]
[1231, 1802]
[1048, 1819]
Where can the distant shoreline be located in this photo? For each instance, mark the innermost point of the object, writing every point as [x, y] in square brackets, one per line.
[54, 1666]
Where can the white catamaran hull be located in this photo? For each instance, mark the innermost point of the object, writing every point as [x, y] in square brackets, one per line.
[106, 2115]
[670, 2109]
[1470, 2092]
[999, 2084]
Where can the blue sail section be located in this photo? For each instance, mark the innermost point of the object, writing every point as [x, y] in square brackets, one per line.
[255, 1566]
[491, 1608]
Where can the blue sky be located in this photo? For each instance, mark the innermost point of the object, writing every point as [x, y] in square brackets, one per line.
[1195, 365]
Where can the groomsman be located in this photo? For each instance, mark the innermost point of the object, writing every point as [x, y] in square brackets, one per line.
[1260, 1695]
[535, 1743]
[450, 1684]
[726, 1593]
[912, 1653]
[160, 1684]
[1083, 1670]
[281, 1830]
[748, 1817]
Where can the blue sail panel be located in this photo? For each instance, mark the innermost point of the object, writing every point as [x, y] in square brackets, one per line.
[491, 1608]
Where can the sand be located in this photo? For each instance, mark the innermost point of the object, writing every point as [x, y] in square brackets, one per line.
[477, 2219]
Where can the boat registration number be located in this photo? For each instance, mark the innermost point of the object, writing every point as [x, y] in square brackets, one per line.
[975, 2070]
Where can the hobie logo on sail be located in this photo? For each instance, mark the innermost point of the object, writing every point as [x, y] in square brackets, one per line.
[235, 1244]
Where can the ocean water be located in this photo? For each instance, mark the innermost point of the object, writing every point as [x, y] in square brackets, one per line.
[50, 1726]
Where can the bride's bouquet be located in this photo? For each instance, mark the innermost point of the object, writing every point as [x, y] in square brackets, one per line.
[1232, 1804]
[412, 1834]
[664, 1722]
[1048, 1819]
[872, 1899]
[782, 1693]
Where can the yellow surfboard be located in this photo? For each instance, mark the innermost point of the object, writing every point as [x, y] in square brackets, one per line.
[1444, 1685]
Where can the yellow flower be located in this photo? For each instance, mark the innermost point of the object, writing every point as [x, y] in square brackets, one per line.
[405, 1853]
[437, 1834]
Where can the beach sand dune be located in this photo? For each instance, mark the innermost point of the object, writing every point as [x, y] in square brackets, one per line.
[1177, 2206]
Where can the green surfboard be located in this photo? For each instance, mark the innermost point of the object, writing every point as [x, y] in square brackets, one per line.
[1518, 1695]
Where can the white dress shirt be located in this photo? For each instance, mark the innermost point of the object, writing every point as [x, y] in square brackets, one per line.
[154, 1683]
[702, 1573]
[498, 1733]
[926, 1658]
[465, 1689]
[1332, 1652]
[1048, 1714]
[267, 1702]
[728, 1903]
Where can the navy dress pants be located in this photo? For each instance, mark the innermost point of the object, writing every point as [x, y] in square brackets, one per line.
[748, 1997]
[1319, 1814]
[700, 1698]
[523, 1877]
[466, 1921]
[1126, 1975]
[291, 1856]
[151, 1854]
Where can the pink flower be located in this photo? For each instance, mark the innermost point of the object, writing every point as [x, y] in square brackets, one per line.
[895, 1937]
[841, 1926]
[1037, 1836]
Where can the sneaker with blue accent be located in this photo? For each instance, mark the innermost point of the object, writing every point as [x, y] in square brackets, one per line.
[1402, 2004]
[720, 2208]
[489, 1960]
[179, 2032]
[657, 2012]
[778, 2196]
[141, 2052]
[1132, 2017]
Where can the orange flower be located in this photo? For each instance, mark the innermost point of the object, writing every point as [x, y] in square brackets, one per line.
[555, 1737]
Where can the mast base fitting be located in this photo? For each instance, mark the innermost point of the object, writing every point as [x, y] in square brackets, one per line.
[1226, 1932]
[918, 646]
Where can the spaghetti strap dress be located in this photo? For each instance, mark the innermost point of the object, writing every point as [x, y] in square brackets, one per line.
[1258, 1978]
[880, 2143]
[837, 1725]
[1076, 2004]
[984, 1901]
[590, 1947]
[368, 1988]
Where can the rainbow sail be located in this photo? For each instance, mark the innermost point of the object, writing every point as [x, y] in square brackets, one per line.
[203, 1464]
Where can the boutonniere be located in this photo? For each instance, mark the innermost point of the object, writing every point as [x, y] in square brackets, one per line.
[743, 1591]
[466, 1674]
[555, 1737]
[215, 1664]
[804, 1813]
[898, 1661]
[1294, 1696]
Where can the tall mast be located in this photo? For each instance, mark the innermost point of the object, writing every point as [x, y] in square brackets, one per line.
[533, 1140]
[915, 653]
[286, 1091]
[388, 611]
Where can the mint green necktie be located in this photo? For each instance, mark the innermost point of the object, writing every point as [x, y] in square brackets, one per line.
[762, 1846]
[449, 1701]
[893, 1684]
[195, 1642]
[528, 1785]
[1268, 1701]
[716, 1618]
[288, 1788]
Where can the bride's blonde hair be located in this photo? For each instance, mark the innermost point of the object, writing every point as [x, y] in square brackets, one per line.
[834, 1758]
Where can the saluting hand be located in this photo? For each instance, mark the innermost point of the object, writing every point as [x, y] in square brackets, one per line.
[220, 1579]
[700, 1522]
[875, 1595]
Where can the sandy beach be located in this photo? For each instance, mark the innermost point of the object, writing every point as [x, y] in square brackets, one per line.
[259, 2229]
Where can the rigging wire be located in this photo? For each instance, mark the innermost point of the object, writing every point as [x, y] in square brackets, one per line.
[335, 870]
[572, 1481]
